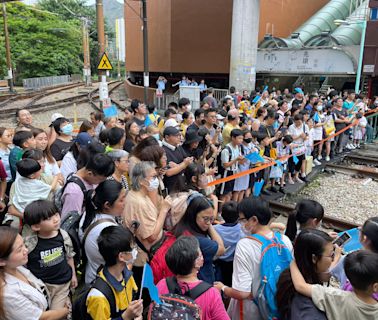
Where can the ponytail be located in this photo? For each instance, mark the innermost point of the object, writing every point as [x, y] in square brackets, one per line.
[304, 211]
[106, 192]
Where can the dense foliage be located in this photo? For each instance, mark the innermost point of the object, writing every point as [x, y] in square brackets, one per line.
[42, 43]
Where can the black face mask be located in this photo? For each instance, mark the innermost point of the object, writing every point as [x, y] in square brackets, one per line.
[203, 121]
[248, 140]
[328, 112]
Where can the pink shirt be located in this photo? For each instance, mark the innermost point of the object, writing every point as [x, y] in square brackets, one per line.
[210, 301]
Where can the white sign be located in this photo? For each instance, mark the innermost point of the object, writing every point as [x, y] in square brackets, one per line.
[146, 81]
[318, 61]
[103, 90]
[369, 68]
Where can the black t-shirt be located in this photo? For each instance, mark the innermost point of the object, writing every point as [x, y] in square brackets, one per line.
[59, 148]
[268, 130]
[48, 261]
[176, 156]
[339, 114]
[140, 123]
[128, 145]
[304, 309]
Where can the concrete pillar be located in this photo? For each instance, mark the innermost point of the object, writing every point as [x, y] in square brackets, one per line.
[244, 41]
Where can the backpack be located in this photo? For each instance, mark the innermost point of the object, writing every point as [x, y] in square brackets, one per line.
[275, 257]
[79, 306]
[71, 221]
[177, 305]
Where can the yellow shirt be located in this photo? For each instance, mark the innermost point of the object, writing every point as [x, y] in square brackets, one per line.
[98, 306]
[226, 133]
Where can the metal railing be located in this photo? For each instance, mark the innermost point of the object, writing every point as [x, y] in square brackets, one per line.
[219, 94]
[372, 132]
[43, 82]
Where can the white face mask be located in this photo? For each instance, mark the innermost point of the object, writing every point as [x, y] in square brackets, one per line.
[156, 136]
[134, 254]
[244, 229]
[189, 107]
[154, 184]
[319, 108]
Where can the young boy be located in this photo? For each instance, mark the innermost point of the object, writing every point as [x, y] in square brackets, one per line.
[27, 188]
[231, 156]
[97, 169]
[22, 140]
[50, 251]
[230, 233]
[116, 245]
[361, 270]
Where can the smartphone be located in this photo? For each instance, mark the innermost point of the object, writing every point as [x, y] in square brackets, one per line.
[343, 239]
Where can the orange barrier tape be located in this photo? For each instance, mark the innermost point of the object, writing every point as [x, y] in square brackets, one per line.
[269, 164]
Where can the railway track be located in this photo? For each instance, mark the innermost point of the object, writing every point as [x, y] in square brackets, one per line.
[360, 159]
[328, 222]
[366, 172]
[35, 95]
[93, 96]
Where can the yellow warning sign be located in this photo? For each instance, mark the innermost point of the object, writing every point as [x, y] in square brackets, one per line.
[105, 63]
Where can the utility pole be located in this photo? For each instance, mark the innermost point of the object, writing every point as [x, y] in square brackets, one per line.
[7, 49]
[86, 55]
[100, 28]
[146, 81]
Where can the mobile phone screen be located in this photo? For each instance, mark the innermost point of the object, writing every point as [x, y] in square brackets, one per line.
[344, 238]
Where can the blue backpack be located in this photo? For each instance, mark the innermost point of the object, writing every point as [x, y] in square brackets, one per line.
[275, 258]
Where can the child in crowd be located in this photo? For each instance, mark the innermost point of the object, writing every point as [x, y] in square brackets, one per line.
[359, 129]
[21, 140]
[369, 240]
[231, 156]
[50, 251]
[117, 247]
[230, 233]
[27, 188]
[361, 269]
[283, 150]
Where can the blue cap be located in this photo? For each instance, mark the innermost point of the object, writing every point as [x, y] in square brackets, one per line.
[83, 139]
[298, 90]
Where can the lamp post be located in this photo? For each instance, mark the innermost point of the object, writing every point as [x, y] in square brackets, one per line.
[362, 47]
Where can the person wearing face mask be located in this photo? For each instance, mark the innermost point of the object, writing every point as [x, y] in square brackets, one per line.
[319, 121]
[254, 215]
[139, 207]
[118, 249]
[107, 204]
[184, 258]
[63, 142]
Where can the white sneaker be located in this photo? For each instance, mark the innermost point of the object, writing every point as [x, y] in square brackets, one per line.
[317, 162]
[328, 158]
[313, 164]
[349, 146]
[352, 146]
[320, 158]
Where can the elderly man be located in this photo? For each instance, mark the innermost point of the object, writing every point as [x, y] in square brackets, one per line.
[24, 120]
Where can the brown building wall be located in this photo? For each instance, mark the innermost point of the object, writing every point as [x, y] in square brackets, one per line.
[195, 36]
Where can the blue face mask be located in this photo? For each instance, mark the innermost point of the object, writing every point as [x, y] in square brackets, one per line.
[156, 136]
[67, 129]
[276, 125]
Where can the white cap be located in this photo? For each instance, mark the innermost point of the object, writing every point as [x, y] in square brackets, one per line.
[56, 116]
[171, 123]
[220, 117]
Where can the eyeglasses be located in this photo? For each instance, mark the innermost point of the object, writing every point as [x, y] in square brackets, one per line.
[332, 256]
[208, 219]
[242, 219]
[124, 160]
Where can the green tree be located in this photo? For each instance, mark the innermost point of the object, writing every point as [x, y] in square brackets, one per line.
[42, 44]
[74, 10]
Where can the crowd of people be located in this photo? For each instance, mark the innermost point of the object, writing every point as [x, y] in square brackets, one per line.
[90, 208]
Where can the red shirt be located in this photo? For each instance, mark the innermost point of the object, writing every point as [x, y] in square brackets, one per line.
[3, 174]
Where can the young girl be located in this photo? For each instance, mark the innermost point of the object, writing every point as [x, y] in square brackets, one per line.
[314, 253]
[369, 240]
[329, 130]
[6, 138]
[359, 129]
[283, 150]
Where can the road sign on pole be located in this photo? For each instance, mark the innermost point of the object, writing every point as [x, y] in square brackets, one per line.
[104, 63]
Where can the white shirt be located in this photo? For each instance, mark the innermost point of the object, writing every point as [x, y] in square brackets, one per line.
[227, 157]
[22, 300]
[51, 169]
[246, 276]
[294, 131]
[69, 165]
[95, 258]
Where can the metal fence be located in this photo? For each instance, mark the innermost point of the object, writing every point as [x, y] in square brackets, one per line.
[43, 82]
[219, 94]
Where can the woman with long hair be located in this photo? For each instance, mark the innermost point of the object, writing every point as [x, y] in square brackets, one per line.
[197, 221]
[132, 133]
[22, 295]
[314, 253]
[41, 142]
[106, 205]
